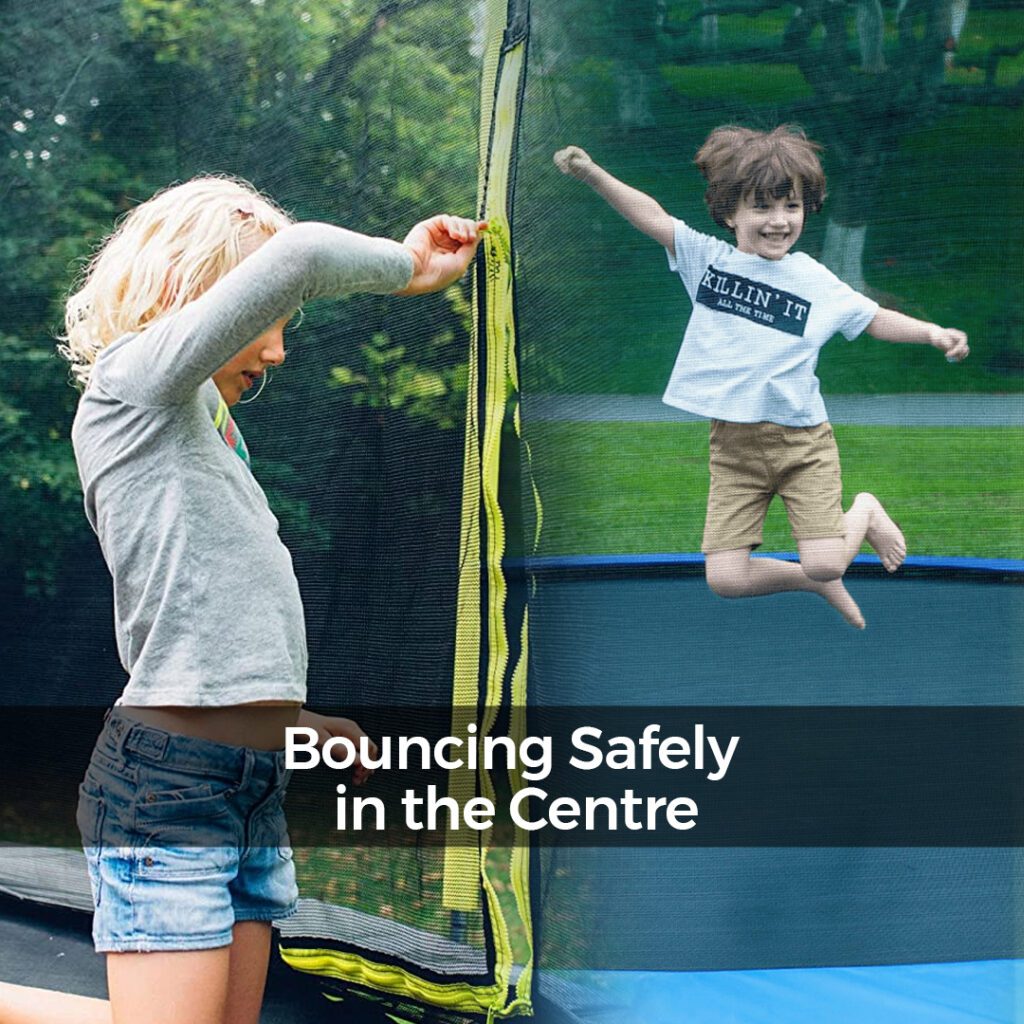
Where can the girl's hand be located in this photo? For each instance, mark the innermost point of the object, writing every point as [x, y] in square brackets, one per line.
[329, 726]
[950, 341]
[574, 161]
[442, 247]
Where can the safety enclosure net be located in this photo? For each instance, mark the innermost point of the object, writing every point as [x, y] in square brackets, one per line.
[369, 443]
[917, 108]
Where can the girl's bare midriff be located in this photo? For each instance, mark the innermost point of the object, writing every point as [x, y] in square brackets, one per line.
[259, 725]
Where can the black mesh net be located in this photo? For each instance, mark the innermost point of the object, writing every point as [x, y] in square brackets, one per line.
[365, 115]
[915, 109]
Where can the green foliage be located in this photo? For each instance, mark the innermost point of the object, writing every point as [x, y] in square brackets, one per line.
[390, 381]
[40, 502]
[198, 34]
[358, 112]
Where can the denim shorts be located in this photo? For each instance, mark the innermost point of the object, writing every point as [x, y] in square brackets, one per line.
[183, 838]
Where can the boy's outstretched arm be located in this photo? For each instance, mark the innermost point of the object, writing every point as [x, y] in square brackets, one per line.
[637, 207]
[888, 325]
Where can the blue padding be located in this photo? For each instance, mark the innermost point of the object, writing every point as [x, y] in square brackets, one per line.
[995, 565]
[986, 992]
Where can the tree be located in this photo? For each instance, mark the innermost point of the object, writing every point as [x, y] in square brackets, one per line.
[868, 97]
[361, 113]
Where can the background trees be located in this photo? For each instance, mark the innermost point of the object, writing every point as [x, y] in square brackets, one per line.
[871, 74]
[362, 113]
[922, 154]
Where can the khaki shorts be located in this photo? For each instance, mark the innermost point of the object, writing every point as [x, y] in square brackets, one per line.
[751, 463]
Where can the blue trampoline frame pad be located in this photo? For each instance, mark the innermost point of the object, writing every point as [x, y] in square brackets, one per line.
[981, 992]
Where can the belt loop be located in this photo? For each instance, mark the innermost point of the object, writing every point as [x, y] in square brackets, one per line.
[118, 727]
[248, 761]
[149, 742]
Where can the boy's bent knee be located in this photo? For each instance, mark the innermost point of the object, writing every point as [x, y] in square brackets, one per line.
[824, 559]
[823, 570]
[726, 582]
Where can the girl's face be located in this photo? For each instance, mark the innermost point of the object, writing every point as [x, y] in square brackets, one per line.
[246, 369]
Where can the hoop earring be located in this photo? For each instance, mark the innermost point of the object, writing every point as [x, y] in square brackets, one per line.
[259, 391]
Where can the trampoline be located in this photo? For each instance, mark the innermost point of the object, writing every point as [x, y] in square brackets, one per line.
[944, 631]
[50, 948]
[845, 934]
[896, 934]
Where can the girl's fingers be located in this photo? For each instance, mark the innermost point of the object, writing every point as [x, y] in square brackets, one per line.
[462, 229]
[444, 228]
[442, 247]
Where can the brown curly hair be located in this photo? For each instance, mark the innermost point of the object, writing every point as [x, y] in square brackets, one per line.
[736, 161]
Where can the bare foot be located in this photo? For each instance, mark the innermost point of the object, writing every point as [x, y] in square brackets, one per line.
[839, 597]
[883, 534]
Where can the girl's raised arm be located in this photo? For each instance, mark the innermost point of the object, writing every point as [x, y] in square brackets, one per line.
[171, 358]
[165, 361]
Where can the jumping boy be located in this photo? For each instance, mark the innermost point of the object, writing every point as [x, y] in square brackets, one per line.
[747, 361]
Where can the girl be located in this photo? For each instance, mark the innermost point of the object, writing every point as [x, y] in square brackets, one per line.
[181, 313]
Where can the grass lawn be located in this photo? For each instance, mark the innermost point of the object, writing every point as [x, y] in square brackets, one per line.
[634, 488]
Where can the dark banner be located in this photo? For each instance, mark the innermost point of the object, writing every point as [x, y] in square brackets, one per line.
[629, 777]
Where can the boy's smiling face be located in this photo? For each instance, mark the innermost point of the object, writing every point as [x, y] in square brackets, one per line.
[767, 226]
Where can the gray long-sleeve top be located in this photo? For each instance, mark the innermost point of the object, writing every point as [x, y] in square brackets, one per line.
[207, 607]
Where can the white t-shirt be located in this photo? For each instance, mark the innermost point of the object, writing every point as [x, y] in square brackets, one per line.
[751, 346]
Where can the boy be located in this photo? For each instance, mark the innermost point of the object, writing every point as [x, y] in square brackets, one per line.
[760, 315]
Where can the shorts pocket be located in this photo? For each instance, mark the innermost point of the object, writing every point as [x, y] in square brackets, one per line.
[212, 863]
[192, 803]
[821, 434]
[175, 809]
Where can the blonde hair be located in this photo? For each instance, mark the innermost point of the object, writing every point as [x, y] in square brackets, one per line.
[163, 254]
